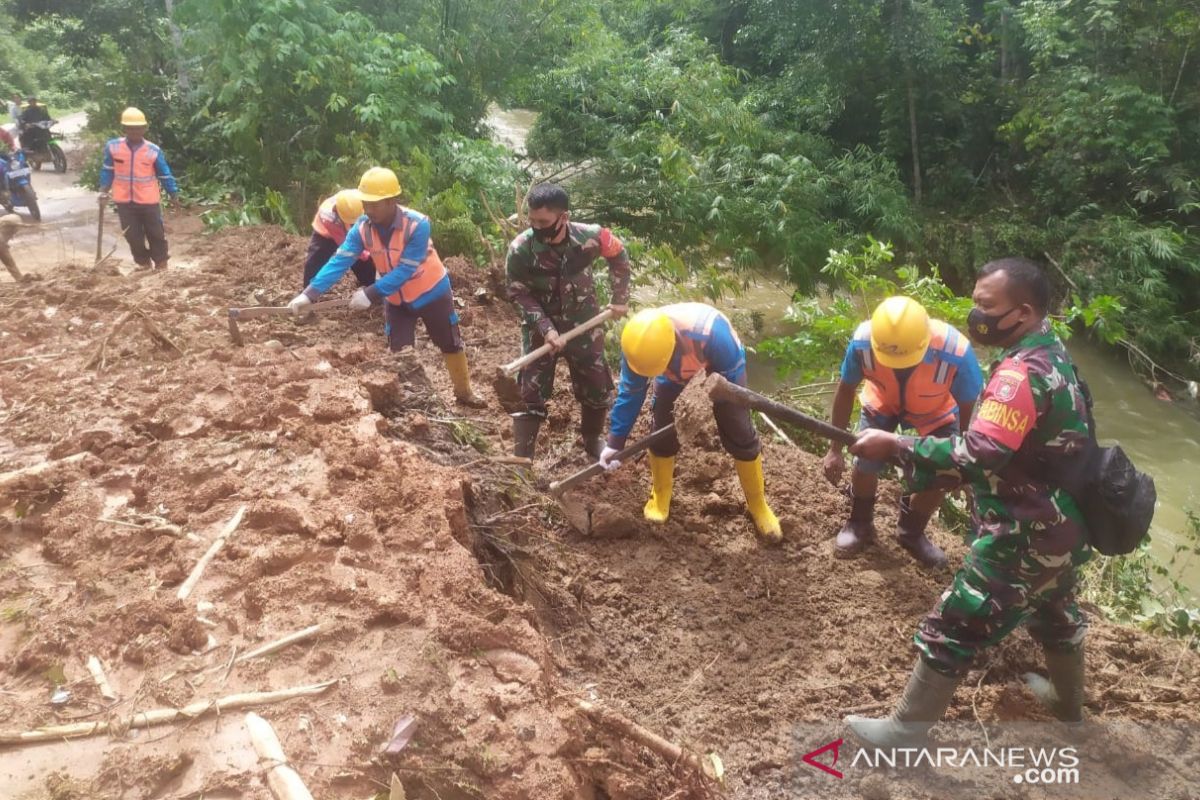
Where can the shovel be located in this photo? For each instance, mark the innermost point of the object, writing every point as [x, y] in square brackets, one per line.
[254, 312]
[559, 488]
[719, 389]
[100, 231]
[532, 356]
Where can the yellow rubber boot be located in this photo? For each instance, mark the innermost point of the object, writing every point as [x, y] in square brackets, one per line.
[751, 475]
[662, 478]
[460, 377]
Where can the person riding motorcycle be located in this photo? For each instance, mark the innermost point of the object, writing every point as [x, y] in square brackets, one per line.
[34, 136]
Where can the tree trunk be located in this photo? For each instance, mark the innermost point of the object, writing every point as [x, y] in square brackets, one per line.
[916, 147]
[177, 40]
[1004, 45]
[900, 42]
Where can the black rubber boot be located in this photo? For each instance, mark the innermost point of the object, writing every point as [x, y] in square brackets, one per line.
[925, 700]
[525, 432]
[591, 428]
[1064, 695]
[859, 530]
[910, 531]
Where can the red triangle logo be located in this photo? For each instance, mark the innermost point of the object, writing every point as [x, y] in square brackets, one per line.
[811, 760]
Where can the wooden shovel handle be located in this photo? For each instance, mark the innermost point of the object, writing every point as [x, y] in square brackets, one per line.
[559, 488]
[719, 388]
[100, 228]
[278, 311]
[532, 356]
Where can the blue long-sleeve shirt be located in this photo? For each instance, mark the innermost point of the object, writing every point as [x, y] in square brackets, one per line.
[415, 251]
[161, 168]
[720, 351]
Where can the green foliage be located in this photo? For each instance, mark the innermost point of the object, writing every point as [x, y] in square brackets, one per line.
[825, 324]
[34, 60]
[295, 95]
[286, 101]
[682, 157]
[1138, 589]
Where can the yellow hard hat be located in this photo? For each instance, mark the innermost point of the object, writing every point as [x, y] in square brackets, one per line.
[349, 205]
[379, 183]
[133, 117]
[648, 342]
[899, 332]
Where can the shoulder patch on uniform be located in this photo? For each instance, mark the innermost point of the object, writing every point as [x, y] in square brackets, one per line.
[1007, 412]
[610, 246]
[1008, 382]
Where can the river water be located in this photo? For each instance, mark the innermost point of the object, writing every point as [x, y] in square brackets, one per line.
[1162, 438]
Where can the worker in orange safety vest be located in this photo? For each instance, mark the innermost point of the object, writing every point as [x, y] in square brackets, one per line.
[412, 282]
[132, 171]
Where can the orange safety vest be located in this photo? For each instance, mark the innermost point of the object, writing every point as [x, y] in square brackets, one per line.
[387, 255]
[693, 328]
[927, 403]
[134, 178]
[326, 222]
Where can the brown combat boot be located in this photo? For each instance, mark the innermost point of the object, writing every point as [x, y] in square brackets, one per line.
[591, 428]
[525, 433]
[910, 531]
[859, 530]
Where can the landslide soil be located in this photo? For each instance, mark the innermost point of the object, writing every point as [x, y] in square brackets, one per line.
[451, 587]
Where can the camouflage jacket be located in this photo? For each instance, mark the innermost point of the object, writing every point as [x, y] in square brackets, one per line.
[555, 282]
[1032, 413]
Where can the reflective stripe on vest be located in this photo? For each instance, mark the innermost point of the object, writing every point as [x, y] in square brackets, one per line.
[927, 403]
[327, 223]
[387, 257]
[693, 328]
[135, 179]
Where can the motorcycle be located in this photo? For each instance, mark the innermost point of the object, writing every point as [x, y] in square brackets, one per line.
[42, 145]
[16, 189]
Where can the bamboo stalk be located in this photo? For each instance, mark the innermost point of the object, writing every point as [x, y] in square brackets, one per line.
[98, 357]
[778, 431]
[279, 644]
[709, 765]
[160, 716]
[284, 781]
[8, 479]
[97, 669]
[202, 564]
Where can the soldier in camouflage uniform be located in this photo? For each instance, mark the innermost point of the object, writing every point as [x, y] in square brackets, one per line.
[550, 279]
[1029, 538]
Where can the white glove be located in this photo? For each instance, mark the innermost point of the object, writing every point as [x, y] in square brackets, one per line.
[360, 301]
[299, 303]
[606, 459]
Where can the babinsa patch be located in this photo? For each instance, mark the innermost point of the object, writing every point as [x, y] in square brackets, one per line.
[1007, 383]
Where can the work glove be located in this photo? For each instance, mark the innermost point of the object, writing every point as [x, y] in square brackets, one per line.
[299, 303]
[360, 301]
[606, 459]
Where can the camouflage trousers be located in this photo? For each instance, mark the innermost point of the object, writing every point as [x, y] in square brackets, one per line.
[1006, 580]
[591, 378]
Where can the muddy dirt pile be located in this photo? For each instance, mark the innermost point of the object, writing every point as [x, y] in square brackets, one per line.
[452, 592]
[345, 525]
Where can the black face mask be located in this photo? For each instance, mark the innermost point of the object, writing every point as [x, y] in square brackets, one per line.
[985, 328]
[549, 233]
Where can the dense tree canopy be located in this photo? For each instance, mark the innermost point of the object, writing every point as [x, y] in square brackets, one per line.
[726, 135]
